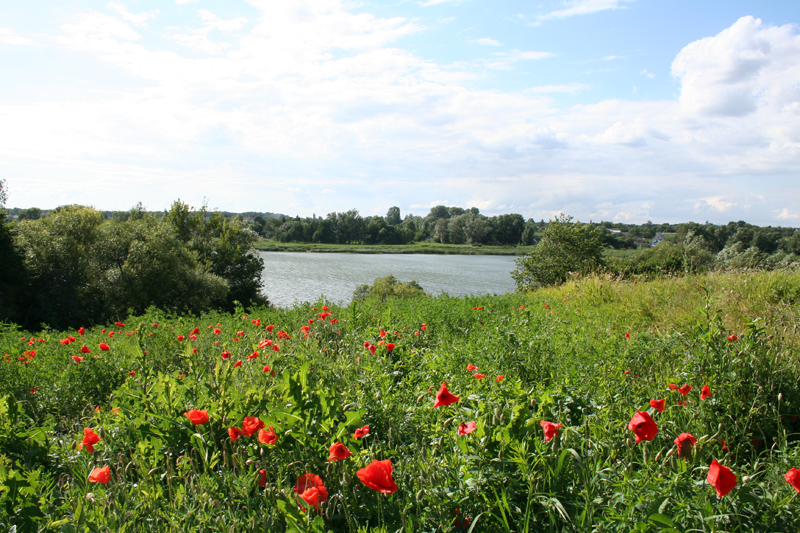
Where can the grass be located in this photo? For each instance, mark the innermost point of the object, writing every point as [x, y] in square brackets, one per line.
[587, 355]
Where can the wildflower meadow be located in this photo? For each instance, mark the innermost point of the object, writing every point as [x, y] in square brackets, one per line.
[670, 405]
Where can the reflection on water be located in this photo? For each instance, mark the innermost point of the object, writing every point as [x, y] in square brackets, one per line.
[304, 277]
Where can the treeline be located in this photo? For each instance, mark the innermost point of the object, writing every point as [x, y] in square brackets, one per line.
[446, 225]
[76, 267]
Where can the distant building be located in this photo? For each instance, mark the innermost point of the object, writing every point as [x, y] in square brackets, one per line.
[657, 239]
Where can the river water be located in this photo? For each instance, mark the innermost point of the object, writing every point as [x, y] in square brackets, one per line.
[292, 277]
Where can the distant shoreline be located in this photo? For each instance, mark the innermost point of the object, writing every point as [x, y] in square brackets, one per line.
[417, 248]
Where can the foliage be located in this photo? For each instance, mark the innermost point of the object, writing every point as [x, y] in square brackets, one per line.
[565, 247]
[387, 287]
[588, 354]
[78, 267]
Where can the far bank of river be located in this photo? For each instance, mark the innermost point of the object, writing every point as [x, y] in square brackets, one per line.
[416, 248]
[306, 277]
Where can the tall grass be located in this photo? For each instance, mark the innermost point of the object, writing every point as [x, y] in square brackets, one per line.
[588, 355]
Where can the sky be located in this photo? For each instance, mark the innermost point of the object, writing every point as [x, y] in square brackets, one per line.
[618, 110]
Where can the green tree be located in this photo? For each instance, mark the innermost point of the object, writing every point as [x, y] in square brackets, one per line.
[12, 273]
[393, 216]
[565, 247]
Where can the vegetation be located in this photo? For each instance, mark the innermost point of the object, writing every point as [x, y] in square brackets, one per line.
[105, 428]
[569, 249]
[388, 287]
[76, 267]
[565, 247]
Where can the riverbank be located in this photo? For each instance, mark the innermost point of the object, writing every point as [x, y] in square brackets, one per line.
[264, 245]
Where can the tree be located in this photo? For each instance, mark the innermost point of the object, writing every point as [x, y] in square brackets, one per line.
[393, 216]
[565, 247]
[12, 272]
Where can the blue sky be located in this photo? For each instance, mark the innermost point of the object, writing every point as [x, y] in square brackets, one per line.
[623, 110]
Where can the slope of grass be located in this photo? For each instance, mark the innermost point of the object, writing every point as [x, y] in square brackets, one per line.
[587, 355]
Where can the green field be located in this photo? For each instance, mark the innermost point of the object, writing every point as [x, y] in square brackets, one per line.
[587, 355]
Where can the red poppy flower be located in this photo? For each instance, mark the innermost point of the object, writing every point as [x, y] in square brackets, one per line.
[305, 329]
[389, 346]
[659, 405]
[371, 348]
[105, 347]
[64, 341]
[337, 452]
[100, 475]
[705, 392]
[733, 338]
[253, 355]
[132, 373]
[257, 321]
[334, 320]
[119, 324]
[85, 349]
[240, 333]
[627, 335]
[226, 354]
[378, 476]
[81, 331]
[264, 343]
[77, 358]
[196, 416]
[90, 438]
[643, 426]
[684, 442]
[423, 327]
[180, 338]
[311, 489]
[793, 478]
[550, 429]
[276, 348]
[444, 397]
[466, 429]
[672, 386]
[685, 389]
[500, 378]
[267, 368]
[237, 364]
[234, 433]
[250, 425]
[267, 436]
[262, 478]
[192, 337]
[471, 367]
[721, 478]
[283, 335]
[270, 328]
[361, 432]
[217, 331]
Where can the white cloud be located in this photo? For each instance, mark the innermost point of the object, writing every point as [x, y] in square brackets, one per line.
[717, 203]
[486, 41]
[138, 19]
[583, 7]
[199, 38]
[567, 88]
[11, 37]
[429, 3]
[648, 74]
[785, 214]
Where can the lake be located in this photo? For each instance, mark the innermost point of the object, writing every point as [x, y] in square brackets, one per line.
[291, 277]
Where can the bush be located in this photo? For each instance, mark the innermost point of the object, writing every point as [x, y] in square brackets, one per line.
[565, 247]
[383, 288]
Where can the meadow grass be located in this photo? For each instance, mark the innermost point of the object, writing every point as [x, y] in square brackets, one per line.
[587, 355]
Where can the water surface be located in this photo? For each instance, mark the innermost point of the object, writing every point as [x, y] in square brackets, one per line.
[291, 277]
